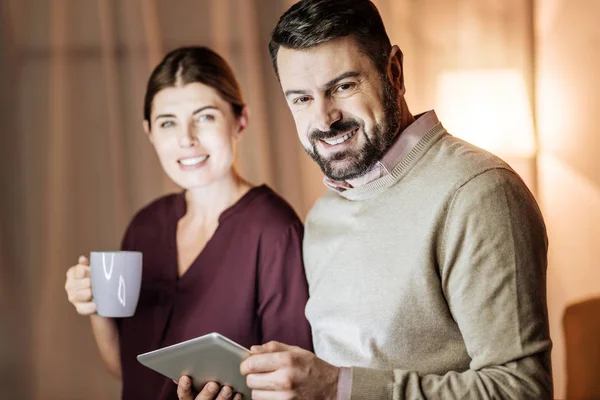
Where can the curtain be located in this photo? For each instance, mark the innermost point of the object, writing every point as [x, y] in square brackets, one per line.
[75, 164]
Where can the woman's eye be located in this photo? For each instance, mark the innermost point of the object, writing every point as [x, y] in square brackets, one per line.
[167, 124]
[205, 118]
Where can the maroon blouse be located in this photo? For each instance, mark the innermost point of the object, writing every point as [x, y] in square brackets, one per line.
[248, 284]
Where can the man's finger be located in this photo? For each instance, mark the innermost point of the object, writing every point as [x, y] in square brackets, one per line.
[209, 391]
[225, 394]
[184, 389]
[267, 362]
[270, 347]
[273, 381]
[83, 260]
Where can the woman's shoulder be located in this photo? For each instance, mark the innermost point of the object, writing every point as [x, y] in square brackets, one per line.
[160, 209]
[268, 203]
[268, 210]
[149, 223]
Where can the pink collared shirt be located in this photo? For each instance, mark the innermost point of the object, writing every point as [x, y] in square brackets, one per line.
[403, 144]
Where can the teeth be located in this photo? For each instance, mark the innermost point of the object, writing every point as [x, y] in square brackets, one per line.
[340, 140]
[193, 161]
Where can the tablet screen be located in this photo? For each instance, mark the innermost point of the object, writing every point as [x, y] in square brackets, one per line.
[211, 357]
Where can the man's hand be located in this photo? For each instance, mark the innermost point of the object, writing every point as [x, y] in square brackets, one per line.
[278, 371]
[209, 392]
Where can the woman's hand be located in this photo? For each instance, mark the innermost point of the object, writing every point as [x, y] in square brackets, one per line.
[79, 287]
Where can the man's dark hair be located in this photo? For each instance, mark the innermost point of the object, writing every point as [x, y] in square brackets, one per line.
[311, 22]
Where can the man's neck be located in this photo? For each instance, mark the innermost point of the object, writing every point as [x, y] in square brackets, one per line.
[406, 118]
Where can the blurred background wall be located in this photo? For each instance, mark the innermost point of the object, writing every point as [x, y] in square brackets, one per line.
[75, 165]
[567, 86]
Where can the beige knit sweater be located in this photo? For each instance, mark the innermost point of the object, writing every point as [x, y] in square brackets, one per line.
[430, 282]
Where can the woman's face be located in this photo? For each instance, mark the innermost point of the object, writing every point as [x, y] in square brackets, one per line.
[194, 132]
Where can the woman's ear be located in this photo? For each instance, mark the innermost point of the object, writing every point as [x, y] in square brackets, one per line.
[147, 131]
[395, 70]
[243, 121]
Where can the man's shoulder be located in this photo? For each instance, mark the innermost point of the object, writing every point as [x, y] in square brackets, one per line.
[458, 157]
[448, 165]
[326, 200]
[452, 162]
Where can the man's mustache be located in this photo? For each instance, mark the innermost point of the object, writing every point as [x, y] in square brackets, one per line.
[336, 129]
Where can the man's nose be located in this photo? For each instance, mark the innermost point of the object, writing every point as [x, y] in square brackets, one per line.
[326, 114]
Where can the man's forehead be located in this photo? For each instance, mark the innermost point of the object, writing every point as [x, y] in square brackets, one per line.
[319, 64]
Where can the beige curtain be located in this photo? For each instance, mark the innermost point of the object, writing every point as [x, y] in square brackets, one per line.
[75, 164]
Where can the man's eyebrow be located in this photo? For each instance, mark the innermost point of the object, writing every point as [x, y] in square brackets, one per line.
[296, 91]
[349, 74]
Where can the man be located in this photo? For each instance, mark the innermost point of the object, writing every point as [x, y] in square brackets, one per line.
[426, 259]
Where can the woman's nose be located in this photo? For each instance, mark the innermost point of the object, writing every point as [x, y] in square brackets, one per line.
[188, 137]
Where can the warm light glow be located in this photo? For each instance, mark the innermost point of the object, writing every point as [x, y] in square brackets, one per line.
[488, 108]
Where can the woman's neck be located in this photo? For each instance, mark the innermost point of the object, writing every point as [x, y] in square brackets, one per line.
[206, 204]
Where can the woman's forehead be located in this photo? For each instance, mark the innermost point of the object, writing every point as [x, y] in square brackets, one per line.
[187, 96]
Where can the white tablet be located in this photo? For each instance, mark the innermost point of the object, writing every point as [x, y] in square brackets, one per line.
[211, 357]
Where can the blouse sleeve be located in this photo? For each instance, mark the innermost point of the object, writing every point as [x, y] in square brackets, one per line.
[283, 290]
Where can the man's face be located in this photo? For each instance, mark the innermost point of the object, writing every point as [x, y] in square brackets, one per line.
[346, 112]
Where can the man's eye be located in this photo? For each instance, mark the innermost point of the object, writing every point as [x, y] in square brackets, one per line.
[167, 124]
[344, 87]
[301, 100]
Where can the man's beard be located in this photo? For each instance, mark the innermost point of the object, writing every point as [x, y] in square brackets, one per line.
[358, 162]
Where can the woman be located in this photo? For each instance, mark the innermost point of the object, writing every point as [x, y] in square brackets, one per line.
[221, 256]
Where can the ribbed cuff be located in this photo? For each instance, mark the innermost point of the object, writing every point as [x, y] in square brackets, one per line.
[372, 384]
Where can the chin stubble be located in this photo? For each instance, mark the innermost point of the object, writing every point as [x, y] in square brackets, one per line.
[361, 161]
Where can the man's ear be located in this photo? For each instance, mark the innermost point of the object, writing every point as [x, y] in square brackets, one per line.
[395, 70]
[147, 131]
[243, 121]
